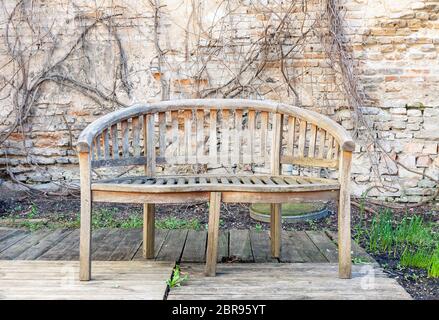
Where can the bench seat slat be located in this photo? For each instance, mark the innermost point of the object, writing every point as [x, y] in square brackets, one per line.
[216, 183]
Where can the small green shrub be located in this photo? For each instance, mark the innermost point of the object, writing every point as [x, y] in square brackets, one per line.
[177, 279]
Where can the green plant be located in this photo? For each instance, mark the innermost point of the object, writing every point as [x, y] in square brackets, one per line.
[177, 223]
[433, 270]
[176, 279]
[359, 260]
[381, 233]
[412, 239]
[134, 221]
[33, 211]
[104, 218]
[32, 225]
[359, 228]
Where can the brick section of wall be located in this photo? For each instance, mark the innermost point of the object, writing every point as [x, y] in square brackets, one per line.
[395, 44]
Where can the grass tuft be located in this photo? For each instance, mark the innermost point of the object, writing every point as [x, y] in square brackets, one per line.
[412, 239]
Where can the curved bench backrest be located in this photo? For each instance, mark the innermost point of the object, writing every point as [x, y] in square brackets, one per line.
[216, 132]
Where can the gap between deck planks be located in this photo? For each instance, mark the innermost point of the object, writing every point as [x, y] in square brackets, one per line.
[173, 245]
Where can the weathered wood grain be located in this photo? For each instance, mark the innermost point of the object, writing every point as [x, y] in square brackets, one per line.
[12, 238]
[173, 245]
[45, 244]
[307, 249]
[260, 244]
[195, 247]
[239, 245]
[50, 280]
[29, 241]
[324, 244]
[285, 281]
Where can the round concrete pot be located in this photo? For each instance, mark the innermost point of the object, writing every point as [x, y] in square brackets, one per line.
[291, 212]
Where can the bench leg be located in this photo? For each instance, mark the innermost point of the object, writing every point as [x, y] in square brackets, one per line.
[344, 220]
[275, 229]
[85, 237]
[212, 235]
[148, 230]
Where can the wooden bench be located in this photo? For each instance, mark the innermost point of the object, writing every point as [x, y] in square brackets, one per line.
[231, 134]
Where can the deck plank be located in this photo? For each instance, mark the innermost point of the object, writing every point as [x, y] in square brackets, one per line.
[223, 246]
[324, 244]
[239, 245]
[160, 237]
[260, 244]
[60, 250]
[44, 245]
[128, 247]
[15, 250]
[290, 252]
[6, 233]
[195, 247]
[12, 239]
[173, 245]
[107, 243]
[306, 247]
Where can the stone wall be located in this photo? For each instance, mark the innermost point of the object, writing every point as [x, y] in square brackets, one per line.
[395, 45]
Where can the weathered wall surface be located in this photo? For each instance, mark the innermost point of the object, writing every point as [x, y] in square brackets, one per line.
[218, 49]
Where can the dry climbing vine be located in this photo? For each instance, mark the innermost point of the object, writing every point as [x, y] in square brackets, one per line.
[218, 60]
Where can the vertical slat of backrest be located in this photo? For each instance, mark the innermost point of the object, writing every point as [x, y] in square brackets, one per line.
[188, 154]
[237, 148]
[330, 153]
[322, 138]
[162, 133]
[136, 136]
[175, 138]
[251, 135]
[200, 136]
[291, 135]
[213, 154]
[302, 139]
[99, 146]
[264, 131]
[336, 150]
[106, 135]
[125, 139]
[115, 141]
[312, 141]
[149, 144]
[225, 137]
[276, 143]
[93, 149]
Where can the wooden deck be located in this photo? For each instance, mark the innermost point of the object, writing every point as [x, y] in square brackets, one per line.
[307, 268]
[172, 245]
[58, 280]
[287, 281]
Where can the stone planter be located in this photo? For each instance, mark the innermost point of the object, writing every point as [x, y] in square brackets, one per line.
[291, 212]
